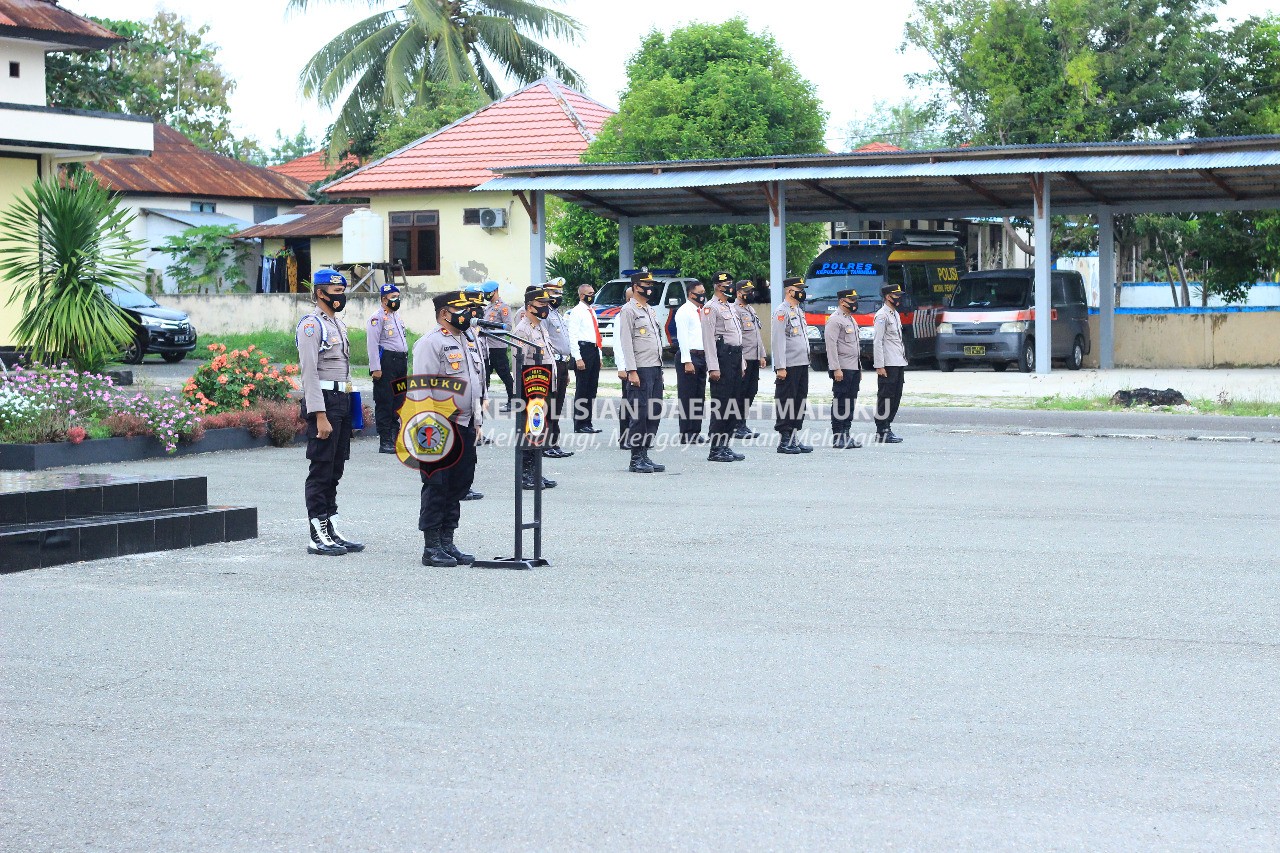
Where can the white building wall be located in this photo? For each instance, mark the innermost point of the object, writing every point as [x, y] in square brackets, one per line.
[154, 229]
[28, 87]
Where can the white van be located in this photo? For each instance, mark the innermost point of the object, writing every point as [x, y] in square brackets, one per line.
[671, 295]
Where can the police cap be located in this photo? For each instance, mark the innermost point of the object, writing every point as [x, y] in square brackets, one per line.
[721, 278]
[534, 293]
[886, 289]
[643, 275]
[451, 299]
[793, 282]
[850, 292]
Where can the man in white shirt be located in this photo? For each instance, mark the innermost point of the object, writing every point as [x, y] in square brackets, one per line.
[691, 376]
[620, 362]
[584, 349]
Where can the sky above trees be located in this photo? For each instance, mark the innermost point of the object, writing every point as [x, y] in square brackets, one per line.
[849, 50]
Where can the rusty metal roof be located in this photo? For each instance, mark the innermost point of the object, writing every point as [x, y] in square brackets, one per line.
[315, 220]
[178, 167]
[45, 20]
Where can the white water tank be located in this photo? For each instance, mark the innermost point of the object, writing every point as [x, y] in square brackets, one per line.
[362, 238]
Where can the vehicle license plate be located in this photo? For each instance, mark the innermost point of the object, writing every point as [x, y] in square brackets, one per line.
[975, 350]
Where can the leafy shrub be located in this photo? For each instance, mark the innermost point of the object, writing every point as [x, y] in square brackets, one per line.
[236, 380]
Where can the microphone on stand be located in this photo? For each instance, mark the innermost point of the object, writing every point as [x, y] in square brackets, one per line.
[486, 324]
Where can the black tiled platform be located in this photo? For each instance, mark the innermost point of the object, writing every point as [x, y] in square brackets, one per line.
[50, 519]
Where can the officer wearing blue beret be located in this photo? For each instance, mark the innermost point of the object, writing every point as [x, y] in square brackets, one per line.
[388, 361]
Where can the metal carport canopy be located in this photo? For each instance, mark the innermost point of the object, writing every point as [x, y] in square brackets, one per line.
[1099, 178]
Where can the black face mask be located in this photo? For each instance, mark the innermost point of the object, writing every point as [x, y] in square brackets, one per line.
[393, 304]
[336, 301]
[645, 293]
[800, 296]
[540, 312]
[698, 297]
[728, 293]
[588, 300]
[848, 306]
[460, 320]
[556, 300]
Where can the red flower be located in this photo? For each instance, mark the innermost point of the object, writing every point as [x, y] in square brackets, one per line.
[76, 434]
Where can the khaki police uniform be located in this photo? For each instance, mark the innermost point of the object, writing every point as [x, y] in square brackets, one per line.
[752, 356]
[445, 353]
[844, 353]
[496, 348]
[639, 336]
[722, 340]
[791, 353]
[890, 353]
[324, 359]
[388, 350]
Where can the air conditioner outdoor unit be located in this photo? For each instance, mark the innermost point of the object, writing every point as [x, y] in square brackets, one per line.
[493, 217]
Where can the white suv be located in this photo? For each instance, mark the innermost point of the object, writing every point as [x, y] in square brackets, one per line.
[671, 295]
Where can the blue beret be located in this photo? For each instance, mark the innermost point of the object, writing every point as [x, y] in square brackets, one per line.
[323, 277]
[388, 288]
[490, 287]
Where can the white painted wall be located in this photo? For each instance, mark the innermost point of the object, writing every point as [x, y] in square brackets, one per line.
[153, 230]
[28, 87]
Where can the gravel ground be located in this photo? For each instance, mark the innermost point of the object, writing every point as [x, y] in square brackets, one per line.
[967, 641]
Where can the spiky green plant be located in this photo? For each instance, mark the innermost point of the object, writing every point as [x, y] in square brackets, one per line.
[61, 243]
[383, 61]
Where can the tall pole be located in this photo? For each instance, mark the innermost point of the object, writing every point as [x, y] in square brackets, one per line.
[626, 245]
[777, 196]
[1106, 288]
[538, 238]
[1044, 292]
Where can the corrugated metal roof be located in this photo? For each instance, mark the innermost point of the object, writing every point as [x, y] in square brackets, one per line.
[544, 121]
[313, 167]
[179, 167]
[1187, 175]
[317, 220]
[654, 179]
[45, 20]
[195, 219]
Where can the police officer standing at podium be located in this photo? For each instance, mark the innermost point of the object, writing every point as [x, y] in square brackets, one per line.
[533, 327]
[844, 363]
[388, 361]
[722, 342]
[324, 356]
[791, 366]
[447, 351]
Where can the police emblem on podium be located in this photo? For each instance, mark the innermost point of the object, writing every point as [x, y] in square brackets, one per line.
[428, 440]
[536, 380]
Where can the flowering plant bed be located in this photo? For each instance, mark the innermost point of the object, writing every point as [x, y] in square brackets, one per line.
[238, 379]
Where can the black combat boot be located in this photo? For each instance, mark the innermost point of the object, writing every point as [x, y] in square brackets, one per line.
[433, 554]
[321, 542]
[639, 464]
[338, 538]
[786, 443]
[446, 544]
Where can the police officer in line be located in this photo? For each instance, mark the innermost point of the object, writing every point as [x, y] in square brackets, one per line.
[722, 341]
[476, 298]
[533, 327]
[324, 356]
[585, 343]
[620, 362]
[388, 361]
[691, 377]
[844, 364]
[639, 336]
[447, 351]
[790, 366]
[496, 350]
[753, 358]
[557, 328]
[890, 361]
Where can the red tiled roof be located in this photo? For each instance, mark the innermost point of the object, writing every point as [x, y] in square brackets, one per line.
[178, 166]
[544, 122]
[313, 167]
[879, 146]
[46, 20]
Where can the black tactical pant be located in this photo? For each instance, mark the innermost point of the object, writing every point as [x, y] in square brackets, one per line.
[586, 385]
[440, 504]
[747, 389]
[790, 396]
[643, 406]
[328, 456]
[386, 405]
[555, 405]
[888, 396]
[499, 363]
[691, 392]
[724, 394]
[844, 399]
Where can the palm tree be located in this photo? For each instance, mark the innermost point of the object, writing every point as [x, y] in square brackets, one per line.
[388, 60]
[62, 244]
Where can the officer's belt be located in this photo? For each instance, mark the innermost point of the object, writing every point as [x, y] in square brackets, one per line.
[335, 385]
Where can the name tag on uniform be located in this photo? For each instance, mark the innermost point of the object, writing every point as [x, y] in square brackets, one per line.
[795, 322]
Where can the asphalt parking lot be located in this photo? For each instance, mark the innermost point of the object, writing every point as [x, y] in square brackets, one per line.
[971, 640]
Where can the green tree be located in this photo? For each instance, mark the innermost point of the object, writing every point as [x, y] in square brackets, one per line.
[165, 70]
[205, 259]
[61, 243]
[908, 124]
[706, 90]
[438, 105]
[386, 60]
